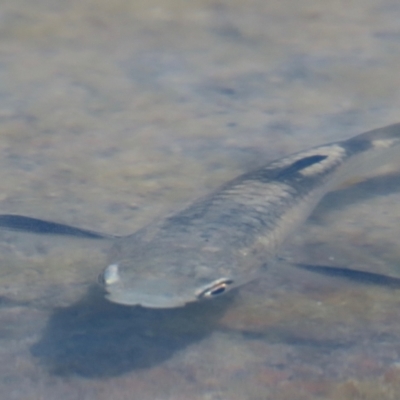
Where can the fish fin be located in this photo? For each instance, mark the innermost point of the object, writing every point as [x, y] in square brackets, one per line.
[354, 275]
[40, 226]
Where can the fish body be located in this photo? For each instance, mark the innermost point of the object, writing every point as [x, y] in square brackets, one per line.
[225, 239]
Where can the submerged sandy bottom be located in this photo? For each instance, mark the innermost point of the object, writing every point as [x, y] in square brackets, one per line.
[113, 113]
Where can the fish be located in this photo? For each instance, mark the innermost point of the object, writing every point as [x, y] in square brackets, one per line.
[229, 237]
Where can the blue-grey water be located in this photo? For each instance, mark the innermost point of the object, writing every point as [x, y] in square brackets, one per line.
[115, 112]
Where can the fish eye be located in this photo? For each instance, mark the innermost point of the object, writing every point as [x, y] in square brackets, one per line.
[216, 289]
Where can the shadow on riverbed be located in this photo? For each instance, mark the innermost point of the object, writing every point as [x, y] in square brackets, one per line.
[95, 338]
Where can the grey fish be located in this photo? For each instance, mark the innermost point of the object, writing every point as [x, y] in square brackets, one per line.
[227, 238]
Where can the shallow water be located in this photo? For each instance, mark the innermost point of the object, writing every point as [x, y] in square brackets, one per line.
[112, 113]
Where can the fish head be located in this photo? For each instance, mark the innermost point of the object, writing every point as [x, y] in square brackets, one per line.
[167, 276]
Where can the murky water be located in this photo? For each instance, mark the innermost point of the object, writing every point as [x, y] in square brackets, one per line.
[114, 112]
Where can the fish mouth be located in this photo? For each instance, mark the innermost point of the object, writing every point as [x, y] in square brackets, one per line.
[109, 276]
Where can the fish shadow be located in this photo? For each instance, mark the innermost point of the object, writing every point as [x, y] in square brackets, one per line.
[95, 338]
